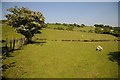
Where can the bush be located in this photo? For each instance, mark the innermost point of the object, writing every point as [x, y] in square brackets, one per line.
[70, 28]
[91, 31]
[59, 28]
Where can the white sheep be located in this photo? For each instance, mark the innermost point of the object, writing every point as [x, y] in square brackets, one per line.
[99, 48]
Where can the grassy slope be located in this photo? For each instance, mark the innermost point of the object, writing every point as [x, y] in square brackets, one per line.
[64, 59]
[9, 32]
[56, 26]
[61, 34]
[85, 28]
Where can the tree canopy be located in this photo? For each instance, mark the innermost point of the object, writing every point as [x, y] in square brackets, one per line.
[25, 21]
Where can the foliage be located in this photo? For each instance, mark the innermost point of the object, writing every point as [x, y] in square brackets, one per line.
[59, 28]
[99, 25]
[82, 25]
[98, 30]
[91, 31]
[58, 23]
[106, 29]
[25, 21]
[2, 21]
[70, 28]
[65, 24]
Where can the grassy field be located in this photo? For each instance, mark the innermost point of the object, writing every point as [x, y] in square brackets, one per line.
[64, 34]
[9, 33]
[58, 59]
[80, 29]
[52, 26]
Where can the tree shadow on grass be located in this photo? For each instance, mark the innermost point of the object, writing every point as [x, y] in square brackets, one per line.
[39, 43]
[6, 51]
[114, 57]
[8, 65]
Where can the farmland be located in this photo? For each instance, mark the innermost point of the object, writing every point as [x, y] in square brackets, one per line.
[54, 58]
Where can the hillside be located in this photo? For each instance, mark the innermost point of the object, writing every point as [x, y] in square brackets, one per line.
[59, 59]
[62, 34]
[9, 33]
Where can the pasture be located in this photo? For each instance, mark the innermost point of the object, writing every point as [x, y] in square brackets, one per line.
[59, 59]
[9, 32]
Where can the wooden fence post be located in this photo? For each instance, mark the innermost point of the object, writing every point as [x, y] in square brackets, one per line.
[13, 44]
[25, 41]
[6, 43]
[10, 44]
[19, 44]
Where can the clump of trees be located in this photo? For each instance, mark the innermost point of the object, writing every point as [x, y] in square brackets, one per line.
[82, 25]
[68, 27]
[59, 28]
[25, 21]
[106, 29]
[91, 31]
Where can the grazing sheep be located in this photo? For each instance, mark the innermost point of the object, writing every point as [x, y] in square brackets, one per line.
[99, 48]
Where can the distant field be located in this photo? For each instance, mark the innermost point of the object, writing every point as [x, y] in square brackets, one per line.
[86, 28]
[62, 59]
[64, 34]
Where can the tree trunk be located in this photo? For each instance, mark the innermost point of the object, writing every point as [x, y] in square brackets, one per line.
[29, 40]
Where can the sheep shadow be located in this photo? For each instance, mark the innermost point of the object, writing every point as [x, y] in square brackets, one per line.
[114, 57]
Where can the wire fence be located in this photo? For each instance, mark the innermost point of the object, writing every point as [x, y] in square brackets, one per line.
[13, 44]
[16, 44]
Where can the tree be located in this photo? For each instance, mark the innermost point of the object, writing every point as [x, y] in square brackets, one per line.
[107, 26]
[71, 24]
[99, 30]
[82, 25]
[75, 24]
[96, 25]
[70, 28]
[99, 25]
[25, 21]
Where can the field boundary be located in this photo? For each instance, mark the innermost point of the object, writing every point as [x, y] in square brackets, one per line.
[13, 44]
[77, 40]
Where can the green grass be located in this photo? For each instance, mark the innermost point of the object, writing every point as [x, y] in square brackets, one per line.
[52, 26]
[63, 59]
[86, 29]
[63, 34]
[9, 33]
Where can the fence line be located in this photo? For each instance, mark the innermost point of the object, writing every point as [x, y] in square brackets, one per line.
[13, 44]
[78, 40]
